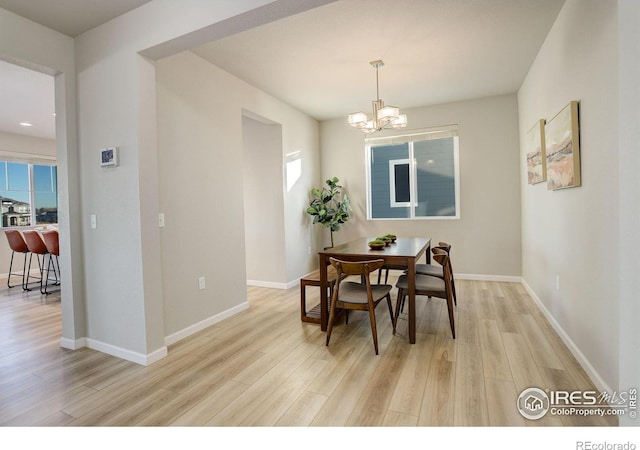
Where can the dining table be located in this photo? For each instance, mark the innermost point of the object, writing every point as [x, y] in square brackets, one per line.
[404, 252]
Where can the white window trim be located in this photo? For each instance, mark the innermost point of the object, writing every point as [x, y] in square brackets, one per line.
[392, 183]
[30, 159]
[434, 133]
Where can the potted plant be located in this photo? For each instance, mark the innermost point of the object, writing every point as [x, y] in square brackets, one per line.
[330, 206]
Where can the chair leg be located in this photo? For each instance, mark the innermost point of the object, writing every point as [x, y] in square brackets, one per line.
[400, 299]
[24, 266]
[374, 329]
[10, 266]
[386, 277]
[43, 289]
[393, 322]
[451, 319]
[25, 284]
[332, 316]
[453, 289]
[55, 274]
[59, 276]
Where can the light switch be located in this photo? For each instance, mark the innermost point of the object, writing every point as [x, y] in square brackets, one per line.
[94, 221]
[161, 220]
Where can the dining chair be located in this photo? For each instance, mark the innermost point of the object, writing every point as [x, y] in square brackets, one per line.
[17, 245]
[436, 270]
[37, 247]
[351, 295]
[430, 286]
[52, 244]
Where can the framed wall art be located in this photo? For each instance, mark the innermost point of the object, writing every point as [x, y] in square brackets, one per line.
[535, 147]
[562, 142]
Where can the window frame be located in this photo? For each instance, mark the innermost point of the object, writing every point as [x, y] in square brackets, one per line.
[409, 138]
[393, 203]
[30, 160]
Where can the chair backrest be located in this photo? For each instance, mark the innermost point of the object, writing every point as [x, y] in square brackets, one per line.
[445, 246]
[35, 244]
[16, 241]
[442, 258]
[51, 242]
[363, 268]
[439, 251]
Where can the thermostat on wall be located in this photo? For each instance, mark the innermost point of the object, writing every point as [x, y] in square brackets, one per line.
[109, 157]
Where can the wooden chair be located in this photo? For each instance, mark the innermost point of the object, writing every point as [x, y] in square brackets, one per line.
[436, 270]
[430, 286]
[17, 245]
[53, 248]
[349, 295]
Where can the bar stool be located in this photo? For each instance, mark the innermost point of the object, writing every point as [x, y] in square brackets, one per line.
[17, 245]
[53, 247]
[36, 246]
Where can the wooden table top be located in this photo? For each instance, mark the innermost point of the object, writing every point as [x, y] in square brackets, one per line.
[403, 247]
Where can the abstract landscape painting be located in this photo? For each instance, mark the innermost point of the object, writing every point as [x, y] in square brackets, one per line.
[536, 161]
[562, 144]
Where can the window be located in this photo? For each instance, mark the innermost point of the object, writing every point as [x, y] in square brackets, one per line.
[29, 193]
[414, 176]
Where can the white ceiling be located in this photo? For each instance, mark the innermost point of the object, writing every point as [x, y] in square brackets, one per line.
[435, 51]
[26, 96]
[70, 17]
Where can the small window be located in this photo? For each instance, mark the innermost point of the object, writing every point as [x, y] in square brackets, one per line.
[399, 183]
[414, 176]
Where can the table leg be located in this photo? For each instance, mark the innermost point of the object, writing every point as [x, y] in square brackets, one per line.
[411, 275]
[324, 284]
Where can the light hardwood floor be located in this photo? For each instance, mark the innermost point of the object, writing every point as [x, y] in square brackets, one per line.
[264, 367]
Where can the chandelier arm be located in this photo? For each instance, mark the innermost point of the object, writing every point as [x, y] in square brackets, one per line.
[391, 116]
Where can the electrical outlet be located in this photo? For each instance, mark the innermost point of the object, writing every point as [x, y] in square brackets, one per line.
[161, 220]
[94, 221]
[201, 283]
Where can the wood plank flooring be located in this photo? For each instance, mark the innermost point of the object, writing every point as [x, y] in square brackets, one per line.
[264, 367]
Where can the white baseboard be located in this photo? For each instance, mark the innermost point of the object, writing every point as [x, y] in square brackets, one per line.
[272, 285]
[462, 276]
[113, 350]
[193, 329]
[72, 344]
[156, 355]
[478, 277]
[584, 362]
[123, 353]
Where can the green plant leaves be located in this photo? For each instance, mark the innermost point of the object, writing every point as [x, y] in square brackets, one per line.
[329, 206]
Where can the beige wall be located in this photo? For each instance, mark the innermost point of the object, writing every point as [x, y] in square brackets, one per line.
[486, 239]
[629, 182]
[10, 142]
[573, 233]
[201, 153]
[263, 203]
[116, 86]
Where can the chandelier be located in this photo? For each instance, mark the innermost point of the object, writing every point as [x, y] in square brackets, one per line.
[383, 116]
